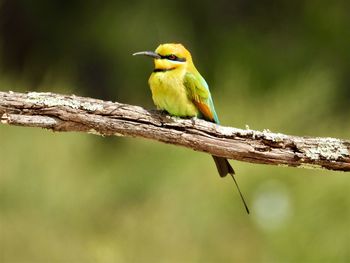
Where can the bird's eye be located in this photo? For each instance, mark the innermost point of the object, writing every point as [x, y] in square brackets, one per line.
[172, 57]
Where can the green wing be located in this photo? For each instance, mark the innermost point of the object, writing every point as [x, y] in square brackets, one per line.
[198, 92]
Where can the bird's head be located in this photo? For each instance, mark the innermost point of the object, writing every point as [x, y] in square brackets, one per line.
[169, 56]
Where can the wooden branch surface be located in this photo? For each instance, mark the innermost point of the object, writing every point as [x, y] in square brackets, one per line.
[72, 113]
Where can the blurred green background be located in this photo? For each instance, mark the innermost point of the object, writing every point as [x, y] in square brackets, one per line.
[282, 65]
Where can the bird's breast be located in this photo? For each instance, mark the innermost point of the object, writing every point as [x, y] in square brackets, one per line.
[169, 93]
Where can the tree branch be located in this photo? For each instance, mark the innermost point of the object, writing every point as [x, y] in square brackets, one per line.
[73, 113]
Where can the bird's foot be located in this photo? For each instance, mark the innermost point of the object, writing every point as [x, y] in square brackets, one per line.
[193, 120]
[163, 112]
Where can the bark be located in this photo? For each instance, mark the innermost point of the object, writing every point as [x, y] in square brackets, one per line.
[72, 113]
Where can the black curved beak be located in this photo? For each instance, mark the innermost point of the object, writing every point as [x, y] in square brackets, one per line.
[147, 53]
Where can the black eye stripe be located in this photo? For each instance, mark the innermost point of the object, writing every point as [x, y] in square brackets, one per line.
[173, 58]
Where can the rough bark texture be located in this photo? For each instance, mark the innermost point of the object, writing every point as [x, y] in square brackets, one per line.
[73, 113]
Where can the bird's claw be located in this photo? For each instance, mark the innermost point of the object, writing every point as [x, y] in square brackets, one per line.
[193, 120]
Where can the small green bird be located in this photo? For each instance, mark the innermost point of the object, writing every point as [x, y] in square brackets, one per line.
[178, 88]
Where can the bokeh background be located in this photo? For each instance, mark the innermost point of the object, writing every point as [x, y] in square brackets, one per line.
[282, 65]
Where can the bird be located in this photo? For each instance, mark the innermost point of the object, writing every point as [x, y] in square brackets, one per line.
[179, 89]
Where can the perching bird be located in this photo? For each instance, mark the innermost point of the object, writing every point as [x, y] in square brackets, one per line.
[178, 88]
